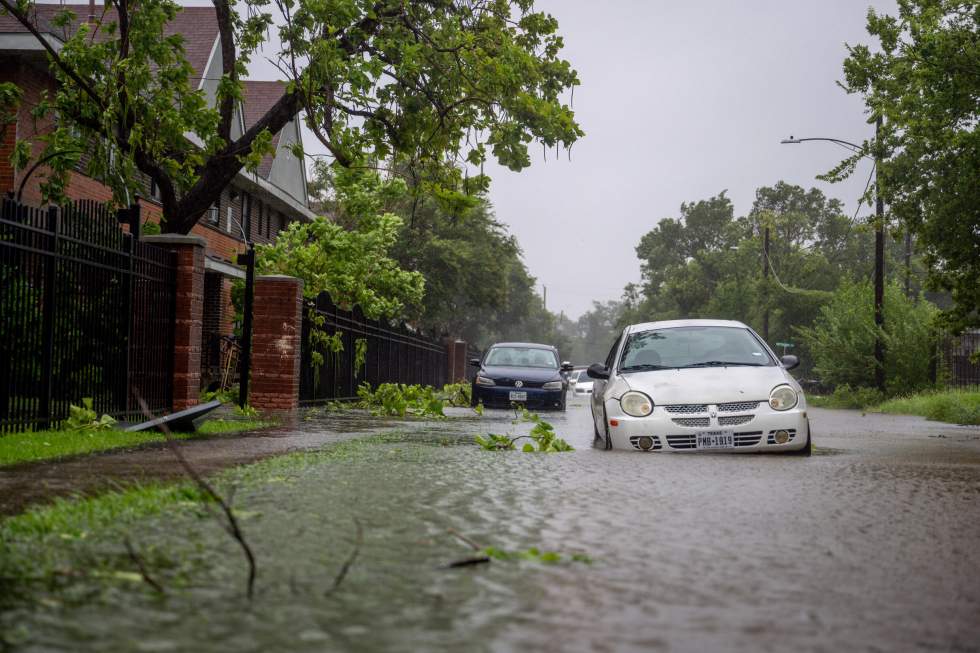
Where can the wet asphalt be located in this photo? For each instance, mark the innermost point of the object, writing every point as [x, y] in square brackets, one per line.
[871, 544]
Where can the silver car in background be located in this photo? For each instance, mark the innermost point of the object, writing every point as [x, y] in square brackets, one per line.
[583, 385]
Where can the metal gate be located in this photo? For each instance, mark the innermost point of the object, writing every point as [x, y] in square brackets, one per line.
[86, 310]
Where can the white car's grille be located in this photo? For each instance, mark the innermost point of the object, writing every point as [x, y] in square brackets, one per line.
[734, 420]
[772, 436]
[635, 441]
[686, 409]
[681, 441]
[691, 421]
[748, 438]
[687, 441]
[738, 406]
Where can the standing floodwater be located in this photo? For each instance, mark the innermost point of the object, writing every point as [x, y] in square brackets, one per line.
[868, 545]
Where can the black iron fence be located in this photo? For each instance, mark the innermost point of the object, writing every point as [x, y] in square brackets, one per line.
[360, 350]
[86, 310]
[955, 367]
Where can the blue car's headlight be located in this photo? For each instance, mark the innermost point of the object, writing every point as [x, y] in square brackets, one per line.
[482, 380]
[552, 385]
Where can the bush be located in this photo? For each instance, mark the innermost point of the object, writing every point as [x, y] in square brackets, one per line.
[952, 406]
[844, 396]
[842, 339]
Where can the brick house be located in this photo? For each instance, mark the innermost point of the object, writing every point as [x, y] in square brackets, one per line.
[258, 204]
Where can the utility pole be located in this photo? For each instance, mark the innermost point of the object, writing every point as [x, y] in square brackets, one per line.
[879, 273]
[879, 265]
[908, 262]
[545, 298]
[765, 277]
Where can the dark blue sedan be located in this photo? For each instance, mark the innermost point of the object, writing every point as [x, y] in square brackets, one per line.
[520, 373]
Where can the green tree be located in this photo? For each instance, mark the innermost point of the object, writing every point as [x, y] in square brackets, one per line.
[709, 263]
[476, 284]
[925, 83]
[433, 81]
[353, 263]
[842, 337]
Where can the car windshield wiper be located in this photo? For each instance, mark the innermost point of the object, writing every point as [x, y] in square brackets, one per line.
[723, 364]
[643, 367]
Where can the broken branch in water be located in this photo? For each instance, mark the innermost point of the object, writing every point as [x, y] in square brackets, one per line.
[358, 540]
[471, 561]
[231, 527]
[468, 562]
[470, 543]
[138, 561]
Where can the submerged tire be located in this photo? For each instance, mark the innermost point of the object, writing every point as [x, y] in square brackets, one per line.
[806, 451]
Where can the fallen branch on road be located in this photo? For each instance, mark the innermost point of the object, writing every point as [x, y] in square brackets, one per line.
[358, 541]
[230, 525]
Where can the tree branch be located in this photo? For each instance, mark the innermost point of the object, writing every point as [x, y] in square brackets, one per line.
[229, 67]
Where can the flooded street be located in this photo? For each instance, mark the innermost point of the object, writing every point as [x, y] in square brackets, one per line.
[871, 544]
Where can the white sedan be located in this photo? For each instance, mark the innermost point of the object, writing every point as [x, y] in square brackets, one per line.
[697, 385]
[583, 385]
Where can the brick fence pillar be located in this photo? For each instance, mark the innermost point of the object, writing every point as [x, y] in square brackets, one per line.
[189, 315]
[277, 327]
[456, 360]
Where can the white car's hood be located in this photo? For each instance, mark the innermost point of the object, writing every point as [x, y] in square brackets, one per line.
[708, 385]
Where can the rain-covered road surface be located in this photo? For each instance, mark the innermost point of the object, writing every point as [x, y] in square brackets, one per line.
[872, 544]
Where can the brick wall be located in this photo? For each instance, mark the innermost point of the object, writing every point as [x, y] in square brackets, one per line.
[276, 343]
[189, 316]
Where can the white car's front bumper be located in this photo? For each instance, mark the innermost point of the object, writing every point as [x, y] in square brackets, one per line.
[754, 428]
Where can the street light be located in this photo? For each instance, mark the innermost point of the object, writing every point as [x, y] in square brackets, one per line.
[879, 244]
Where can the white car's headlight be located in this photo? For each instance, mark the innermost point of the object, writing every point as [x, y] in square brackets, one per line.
[783, 397]
[482, 380]
[636, 404]
[552, 385]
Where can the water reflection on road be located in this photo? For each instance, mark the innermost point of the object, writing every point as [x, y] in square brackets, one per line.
[870, 544]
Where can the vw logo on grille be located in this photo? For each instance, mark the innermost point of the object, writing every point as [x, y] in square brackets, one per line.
[518, 384]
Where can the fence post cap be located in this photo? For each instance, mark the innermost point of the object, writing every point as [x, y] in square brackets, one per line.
[277, 277]
[176, 239]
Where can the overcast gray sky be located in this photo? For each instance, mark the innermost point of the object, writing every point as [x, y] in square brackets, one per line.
[679, 101]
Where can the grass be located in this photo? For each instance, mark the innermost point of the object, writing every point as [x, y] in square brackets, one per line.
[48, 445]
[952, 406]
[37, 544]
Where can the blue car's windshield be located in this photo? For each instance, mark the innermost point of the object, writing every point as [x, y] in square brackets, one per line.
[522, 357]
[707, 346]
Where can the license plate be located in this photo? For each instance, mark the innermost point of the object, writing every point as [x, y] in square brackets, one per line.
[723, 439]
[518, 396]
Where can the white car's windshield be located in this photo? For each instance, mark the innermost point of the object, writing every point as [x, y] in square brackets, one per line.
[694, 346]
[522, 357]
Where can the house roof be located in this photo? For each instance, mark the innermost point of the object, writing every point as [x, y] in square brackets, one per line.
[257, 99]
[199, 28]
[197, 25]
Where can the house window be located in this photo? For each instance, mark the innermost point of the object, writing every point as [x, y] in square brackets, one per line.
[247, 215]
[228, 222]
[154, 190]
[214, 214]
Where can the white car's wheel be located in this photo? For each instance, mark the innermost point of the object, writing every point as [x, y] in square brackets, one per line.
[808, 449]
[605, 424]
